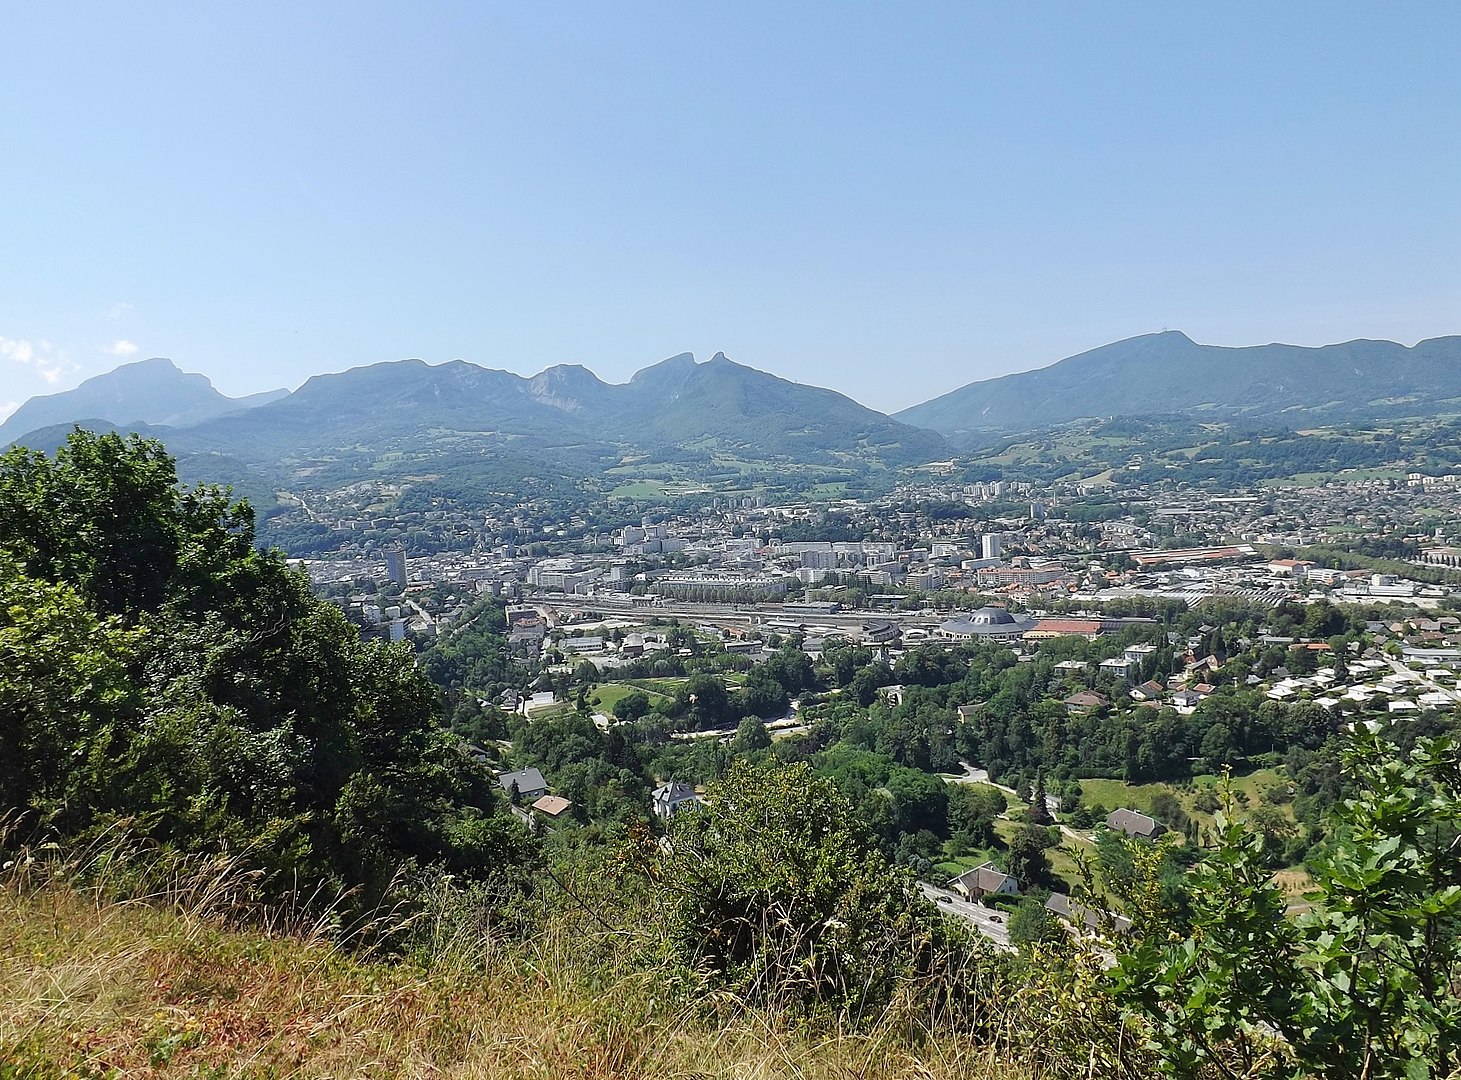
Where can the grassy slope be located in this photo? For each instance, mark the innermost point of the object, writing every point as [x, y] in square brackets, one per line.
[605, 696]
[1116, 793]
[108, 989]
[1295, 881]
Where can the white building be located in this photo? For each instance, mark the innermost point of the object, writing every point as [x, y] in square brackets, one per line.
[672, 798]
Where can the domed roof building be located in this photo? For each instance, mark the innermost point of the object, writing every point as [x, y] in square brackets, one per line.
[987, 624]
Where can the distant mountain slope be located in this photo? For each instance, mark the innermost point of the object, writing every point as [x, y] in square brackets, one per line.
[1170, 373]
[724, 405]
[389, 401]
[717, 406]
[148, 391]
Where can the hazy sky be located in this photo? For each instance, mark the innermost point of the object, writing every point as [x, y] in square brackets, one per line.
[889, 199]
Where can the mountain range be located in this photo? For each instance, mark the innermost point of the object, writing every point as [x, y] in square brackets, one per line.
[716, 405]
[565, 422]
[1169, 373]
[464, 430]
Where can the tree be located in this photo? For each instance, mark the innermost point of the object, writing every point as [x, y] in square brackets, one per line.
[1027, 859]
[705, 698]
[751, 735]
[102, 515]
[791, 668]
[920, 801]
[244, 714]
[632, 707]
[65, 695]
[1274, 830]
[1167, 808]
[1030, 923]
[762, 695]
[864, 686]
[973, 810]
[1039, 811]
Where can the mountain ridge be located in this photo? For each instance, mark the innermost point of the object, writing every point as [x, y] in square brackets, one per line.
[1168, 372]
[153, 391]
[718, 410]
[457, 424]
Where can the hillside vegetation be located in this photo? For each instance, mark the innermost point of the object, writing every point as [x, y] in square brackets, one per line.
[240, 840]
[94, 987]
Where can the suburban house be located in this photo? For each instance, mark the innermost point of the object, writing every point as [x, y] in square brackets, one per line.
[529, 784]
[1084, 702]
[893, 695]
[983, 880]
[1082, 918]
[552, 807]
[1151, 690]
[1134, 824]
[1118, 666]
[671, 798]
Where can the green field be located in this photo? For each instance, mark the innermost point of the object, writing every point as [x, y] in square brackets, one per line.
[603, 697]
[1062, 857]
[639, 489]
[1114, 794]
[662, 687]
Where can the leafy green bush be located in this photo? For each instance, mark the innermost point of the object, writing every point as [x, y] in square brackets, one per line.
[778, 893]
[1361, 985]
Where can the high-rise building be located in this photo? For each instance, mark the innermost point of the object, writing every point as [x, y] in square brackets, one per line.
[991, 545]
[396, 566]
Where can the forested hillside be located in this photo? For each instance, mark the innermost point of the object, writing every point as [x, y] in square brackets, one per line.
[165, 676]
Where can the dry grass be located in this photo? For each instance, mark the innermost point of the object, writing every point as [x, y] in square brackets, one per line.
[95, 987]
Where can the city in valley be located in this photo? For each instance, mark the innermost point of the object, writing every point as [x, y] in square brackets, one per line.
[1162, 612]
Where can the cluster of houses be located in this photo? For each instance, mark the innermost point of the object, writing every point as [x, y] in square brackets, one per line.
[1182, 691]
[533, 805]
[1374, 685]
[988, 880]
[529, 800]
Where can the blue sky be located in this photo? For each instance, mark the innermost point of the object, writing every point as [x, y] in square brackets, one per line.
[889, 199]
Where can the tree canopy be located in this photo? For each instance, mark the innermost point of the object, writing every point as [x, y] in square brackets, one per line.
[163, 673]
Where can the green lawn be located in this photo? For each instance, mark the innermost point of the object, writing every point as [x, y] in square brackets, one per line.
[639, 489]
[605, 696]
[1113, 794]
